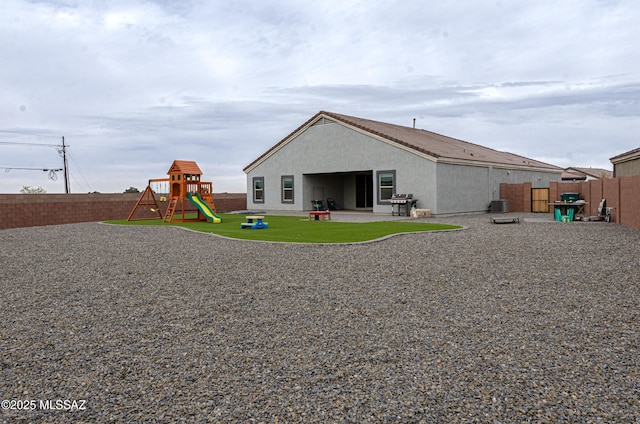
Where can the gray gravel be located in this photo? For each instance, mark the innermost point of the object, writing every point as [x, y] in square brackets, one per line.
[533, 322]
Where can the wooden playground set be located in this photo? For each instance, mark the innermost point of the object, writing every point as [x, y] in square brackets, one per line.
[183, 190]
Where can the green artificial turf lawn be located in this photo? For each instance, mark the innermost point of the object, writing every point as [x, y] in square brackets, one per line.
[299, 229]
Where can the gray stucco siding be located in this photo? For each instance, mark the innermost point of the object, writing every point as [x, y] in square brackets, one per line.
[416, 175]
[627, 169]
[333, 148]
[326, 159]
[462, 188]
[467, 188]
[538, 179]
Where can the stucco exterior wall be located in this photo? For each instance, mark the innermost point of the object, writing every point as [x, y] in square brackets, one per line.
[470, 189]
[627, 169]
[325, 159]
[463, 189]
[418, 176]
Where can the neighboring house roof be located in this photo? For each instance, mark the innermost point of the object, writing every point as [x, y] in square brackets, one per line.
[582, 173]
[567, 175]
[627, 156]
[433, 146]
[185, 167]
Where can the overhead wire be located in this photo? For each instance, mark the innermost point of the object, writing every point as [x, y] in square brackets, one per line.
[52, 173]
[61, 149]
[29, 134]
[75, 162]
[21, 143]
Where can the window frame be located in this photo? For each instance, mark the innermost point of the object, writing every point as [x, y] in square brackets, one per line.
[255, 191]
[379, 187]
[284, 190]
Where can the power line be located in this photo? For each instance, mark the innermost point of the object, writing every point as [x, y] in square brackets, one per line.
[62, 151]
[77, 165]
[20, 143]
[26, 133]
[9, 168]
[52, 172]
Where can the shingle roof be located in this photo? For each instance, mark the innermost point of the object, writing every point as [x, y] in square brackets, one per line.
[592, 172]
[568, 175]
[185, 167]
[436, 146]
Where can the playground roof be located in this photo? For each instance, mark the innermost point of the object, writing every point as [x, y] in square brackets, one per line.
[184, 167]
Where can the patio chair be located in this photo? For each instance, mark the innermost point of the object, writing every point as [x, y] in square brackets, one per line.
[602, 208]
[604, 212]
[570, 214]
[558, 214]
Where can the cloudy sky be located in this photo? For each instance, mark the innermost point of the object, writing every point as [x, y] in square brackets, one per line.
[134, 84]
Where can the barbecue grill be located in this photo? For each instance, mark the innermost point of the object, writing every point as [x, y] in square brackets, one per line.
[399, 201]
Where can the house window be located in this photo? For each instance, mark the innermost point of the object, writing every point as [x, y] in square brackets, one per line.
[258, 189]
[386, 185]
[287, 188]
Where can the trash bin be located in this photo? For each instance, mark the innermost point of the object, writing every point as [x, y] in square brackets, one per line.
[570, 197]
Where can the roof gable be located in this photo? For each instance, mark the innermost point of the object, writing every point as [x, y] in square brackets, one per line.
[626, 156]
[184, 167]
[436, 147]
[597, 173]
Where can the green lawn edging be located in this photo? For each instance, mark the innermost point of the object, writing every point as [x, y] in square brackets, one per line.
[298, 229]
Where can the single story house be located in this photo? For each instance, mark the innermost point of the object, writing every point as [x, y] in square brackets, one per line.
[626, 164]
[585, 174]
[359, 164]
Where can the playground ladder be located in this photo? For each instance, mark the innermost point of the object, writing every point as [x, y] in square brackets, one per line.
[211, 203]
[171, 209]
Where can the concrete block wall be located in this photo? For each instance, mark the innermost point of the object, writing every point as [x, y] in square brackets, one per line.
[629, 212]
[518, 195]
[30, 210]
[594, 192]
[229, 202]
[621, 193]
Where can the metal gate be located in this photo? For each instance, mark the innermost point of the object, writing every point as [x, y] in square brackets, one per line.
[540, 200]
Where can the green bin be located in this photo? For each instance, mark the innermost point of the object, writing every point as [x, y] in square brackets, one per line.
[570, 197]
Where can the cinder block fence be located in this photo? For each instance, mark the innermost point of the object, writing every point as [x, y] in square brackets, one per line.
[621, 193]
[31, 210]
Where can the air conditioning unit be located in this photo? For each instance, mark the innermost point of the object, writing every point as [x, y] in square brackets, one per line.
[499, 206]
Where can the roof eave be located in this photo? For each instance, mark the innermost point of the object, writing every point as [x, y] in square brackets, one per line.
[508, 166]
[393, 142]
[625, 157]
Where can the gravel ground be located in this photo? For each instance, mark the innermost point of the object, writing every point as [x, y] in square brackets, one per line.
[533, 322]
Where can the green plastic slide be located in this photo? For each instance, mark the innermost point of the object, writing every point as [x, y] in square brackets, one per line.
[204, 208]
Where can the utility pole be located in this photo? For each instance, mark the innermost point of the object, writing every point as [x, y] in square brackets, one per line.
[66, 167]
